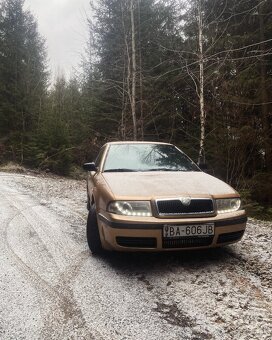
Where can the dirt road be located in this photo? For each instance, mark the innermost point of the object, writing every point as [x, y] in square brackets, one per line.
[51, 287]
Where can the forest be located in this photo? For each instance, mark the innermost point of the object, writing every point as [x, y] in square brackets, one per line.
[195, 73]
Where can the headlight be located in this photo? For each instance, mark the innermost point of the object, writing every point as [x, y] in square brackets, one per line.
[228, 205]
[130, 208]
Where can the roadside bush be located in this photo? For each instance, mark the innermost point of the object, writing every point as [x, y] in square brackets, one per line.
[257, 197]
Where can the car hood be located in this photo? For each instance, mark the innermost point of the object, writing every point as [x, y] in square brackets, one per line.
[150, 185]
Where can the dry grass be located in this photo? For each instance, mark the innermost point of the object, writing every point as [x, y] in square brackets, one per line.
[13, 167]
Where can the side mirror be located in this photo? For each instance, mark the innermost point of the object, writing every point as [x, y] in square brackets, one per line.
[89, 167]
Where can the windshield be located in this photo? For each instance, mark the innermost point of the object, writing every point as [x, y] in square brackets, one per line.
[147, 157]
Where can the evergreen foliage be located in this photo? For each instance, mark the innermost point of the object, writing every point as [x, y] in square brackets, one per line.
[23, 78]
[142, 73]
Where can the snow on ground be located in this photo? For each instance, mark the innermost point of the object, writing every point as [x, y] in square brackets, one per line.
[51, 287]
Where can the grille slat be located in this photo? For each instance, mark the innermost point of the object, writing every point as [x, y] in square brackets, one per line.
[176, 207]
[187, 242]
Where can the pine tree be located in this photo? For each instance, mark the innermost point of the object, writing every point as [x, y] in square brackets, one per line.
[23, 76]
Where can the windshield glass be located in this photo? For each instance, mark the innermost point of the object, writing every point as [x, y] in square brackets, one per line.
[147, 157]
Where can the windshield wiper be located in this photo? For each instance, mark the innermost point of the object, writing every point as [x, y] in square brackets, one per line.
[120, 170]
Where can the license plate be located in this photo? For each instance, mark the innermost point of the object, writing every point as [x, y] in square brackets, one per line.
[175, 231]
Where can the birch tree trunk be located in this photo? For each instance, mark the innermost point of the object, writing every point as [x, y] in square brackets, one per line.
[201, 155]
[126, 78]
[133, 72]
[140, 74]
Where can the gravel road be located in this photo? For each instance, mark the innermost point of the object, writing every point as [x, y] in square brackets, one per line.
[53, 288]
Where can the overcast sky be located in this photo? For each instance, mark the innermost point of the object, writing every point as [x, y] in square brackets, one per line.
[63, 24]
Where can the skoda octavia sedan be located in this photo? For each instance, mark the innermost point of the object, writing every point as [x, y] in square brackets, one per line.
[145, 196]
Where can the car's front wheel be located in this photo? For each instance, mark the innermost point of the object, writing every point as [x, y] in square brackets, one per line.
[93, 237]
[88, 203]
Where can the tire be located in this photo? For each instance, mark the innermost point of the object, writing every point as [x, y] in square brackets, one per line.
[88, 203]
[93, 237]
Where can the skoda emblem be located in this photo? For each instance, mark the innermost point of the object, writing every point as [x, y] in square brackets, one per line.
[185, 201]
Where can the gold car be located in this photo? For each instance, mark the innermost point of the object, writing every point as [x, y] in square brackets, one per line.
[145, 196]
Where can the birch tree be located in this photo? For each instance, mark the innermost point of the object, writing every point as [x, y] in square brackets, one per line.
[201, 155]
[133, 76]
[217, 55]
[126, 35]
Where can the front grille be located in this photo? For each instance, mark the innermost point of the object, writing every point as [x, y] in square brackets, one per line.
[230, 237]
[187, 242]
[137, 242]
[176, 207]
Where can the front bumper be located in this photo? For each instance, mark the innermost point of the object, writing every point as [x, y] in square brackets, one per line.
[123, 233]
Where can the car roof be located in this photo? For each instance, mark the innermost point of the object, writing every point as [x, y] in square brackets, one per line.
[136, 142]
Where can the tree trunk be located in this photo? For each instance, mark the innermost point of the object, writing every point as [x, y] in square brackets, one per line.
[126, 78]
[123, 126]
[264, 94]
[140, 74]
[201, 155]
[133, 72]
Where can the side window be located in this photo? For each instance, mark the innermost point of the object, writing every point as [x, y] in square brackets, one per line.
[99, 157]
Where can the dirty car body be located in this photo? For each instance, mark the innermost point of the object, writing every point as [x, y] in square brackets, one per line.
[146, 196]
